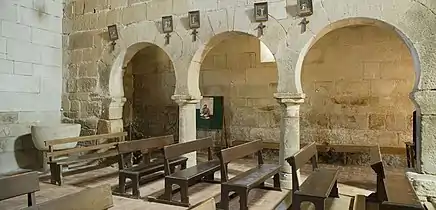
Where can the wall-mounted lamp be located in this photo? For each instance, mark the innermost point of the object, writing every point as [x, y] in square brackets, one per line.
[304, 9]
[113, 34]
[194, 23]
[261, 15]
[167, 27]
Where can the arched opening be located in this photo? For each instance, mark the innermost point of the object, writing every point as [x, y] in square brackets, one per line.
[149, 82]
[233, 68]
[357, 78]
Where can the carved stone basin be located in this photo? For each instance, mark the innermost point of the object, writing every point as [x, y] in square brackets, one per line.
[41, 133]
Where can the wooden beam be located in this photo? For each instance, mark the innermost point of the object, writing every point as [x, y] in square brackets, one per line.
[348, 148]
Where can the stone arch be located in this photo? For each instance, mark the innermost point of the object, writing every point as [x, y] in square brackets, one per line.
[372, 22]
[412, 21]
[216, 31]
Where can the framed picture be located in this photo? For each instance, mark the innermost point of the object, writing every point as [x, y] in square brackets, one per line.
[194, 19]
[210, 113]
[261, 11]
[304, 8]
[113, 32]
[167, 24]
[206, 108]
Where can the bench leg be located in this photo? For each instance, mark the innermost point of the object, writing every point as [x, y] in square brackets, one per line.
[277, 181]
[135, 186]
[53, 177]
[224, 198]
[55, 174]
[31, 200]
[335, 192]
[243, 199]
[184, 192]
[319, 204]
[296, 202]
[168, 190]
[122, 183]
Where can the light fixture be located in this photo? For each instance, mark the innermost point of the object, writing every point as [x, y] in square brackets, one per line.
[194, 23]
[167, 27]
[304, 8]
[113, 34]
[261, 15]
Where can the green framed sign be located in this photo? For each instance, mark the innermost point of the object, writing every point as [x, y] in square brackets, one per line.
[210, 113]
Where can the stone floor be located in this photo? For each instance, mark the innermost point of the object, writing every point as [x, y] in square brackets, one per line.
[353, 180]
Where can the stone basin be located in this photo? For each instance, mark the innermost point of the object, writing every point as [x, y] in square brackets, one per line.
[41, 133]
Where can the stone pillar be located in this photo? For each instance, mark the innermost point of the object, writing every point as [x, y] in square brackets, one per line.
[289, 133]
[112, 116]
[187, 124]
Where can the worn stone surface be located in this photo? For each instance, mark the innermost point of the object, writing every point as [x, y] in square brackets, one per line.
[101, 92]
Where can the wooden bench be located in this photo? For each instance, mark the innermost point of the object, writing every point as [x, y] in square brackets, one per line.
[97, 198]
[189, 176]
[244, 182]
[410, 154]
[74, 154]
[20, 184]
[359, 202]
[135, 172]
[319, 185]
[393, 191]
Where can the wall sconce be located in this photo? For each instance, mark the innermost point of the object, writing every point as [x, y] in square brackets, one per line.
[304, 8]
[261, 15]
[113, 34]
[167, 27]
[194, 23]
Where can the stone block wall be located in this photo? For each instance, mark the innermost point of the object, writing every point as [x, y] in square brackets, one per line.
[233, 69]
[357, 81]
[30, 77]
[149, 83]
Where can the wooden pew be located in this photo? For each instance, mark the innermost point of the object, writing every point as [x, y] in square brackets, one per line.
[97, 198]
[244, 182]
[20, 184]
[74, 154]
[393, 191]
[186, 177]
[359, 202]
[319, 185]
[146, 167]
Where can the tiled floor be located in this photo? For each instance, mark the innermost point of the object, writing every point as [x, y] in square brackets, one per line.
[353, 180]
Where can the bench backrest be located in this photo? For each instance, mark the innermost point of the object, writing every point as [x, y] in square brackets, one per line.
[97, 198]
[299, 159]
[377, 167]
[237, 152]
[175, 150]
[120, 137]
[19, 184]
[145, 144]
[376, 161]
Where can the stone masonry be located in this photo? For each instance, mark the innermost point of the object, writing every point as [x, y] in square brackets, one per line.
[30, 76]
[96, 97]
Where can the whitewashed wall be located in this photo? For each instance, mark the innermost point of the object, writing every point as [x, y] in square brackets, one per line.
[30, 76]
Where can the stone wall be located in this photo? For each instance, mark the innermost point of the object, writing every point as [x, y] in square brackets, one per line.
[357, 81]
[30, 77]
[233, 69]
[149, 84]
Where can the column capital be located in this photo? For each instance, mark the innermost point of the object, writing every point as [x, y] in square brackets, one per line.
[186, 99]
[290, 98]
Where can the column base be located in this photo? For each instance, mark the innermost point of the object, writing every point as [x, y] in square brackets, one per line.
[424, 184]
[286, 180]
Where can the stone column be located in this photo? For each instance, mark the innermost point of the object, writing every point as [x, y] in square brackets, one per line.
[289, 133]
[112, 116]
[187, 124]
